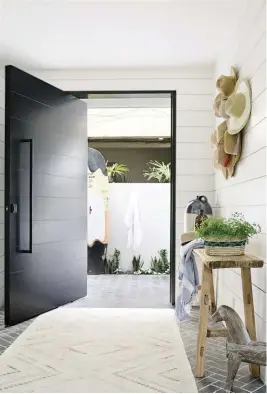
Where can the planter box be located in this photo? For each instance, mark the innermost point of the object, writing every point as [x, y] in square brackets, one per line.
[225, 248]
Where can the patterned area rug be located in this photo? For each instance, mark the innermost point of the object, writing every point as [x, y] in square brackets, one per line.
[98, 350]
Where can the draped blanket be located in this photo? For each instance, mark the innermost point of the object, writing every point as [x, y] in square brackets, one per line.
[188, 279]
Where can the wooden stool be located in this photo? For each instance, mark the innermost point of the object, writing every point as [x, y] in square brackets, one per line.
[208, 304]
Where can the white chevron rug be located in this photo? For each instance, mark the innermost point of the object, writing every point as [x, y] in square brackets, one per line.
[98, 350]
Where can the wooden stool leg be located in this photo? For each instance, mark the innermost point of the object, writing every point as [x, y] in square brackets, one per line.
[212, 295]
[249, 312]
[203, 323]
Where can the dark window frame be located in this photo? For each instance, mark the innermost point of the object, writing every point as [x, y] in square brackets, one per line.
[172, 93]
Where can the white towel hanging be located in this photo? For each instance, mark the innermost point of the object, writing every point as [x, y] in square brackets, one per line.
[133, 223]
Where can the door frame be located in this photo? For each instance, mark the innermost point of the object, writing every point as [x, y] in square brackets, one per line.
[83, 95]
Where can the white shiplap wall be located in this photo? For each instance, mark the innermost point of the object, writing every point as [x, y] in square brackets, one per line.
[194, 86]
[2, 171]
[246, 191]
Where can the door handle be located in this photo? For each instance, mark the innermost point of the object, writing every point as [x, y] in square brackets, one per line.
[28, 249]
[13, 208]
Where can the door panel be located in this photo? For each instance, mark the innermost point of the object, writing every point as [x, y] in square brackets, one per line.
[46, 180]
[173, 202]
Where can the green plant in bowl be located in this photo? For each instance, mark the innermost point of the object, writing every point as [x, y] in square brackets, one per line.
[222, 233]
[223, 229]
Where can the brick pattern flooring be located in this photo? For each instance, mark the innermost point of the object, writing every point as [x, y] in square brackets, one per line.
[216, 363]
[153, 292]
[9, 334]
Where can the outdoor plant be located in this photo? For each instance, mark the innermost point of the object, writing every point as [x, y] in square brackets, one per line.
[155, 265]
[137, 263]
[165, 264]
[112, 263]
[231, 229]
[125, 178]
[159, 171]
[160, 265]
[116, 172]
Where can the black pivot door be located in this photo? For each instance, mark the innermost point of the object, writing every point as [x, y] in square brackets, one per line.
[173, 202]
[46, 197]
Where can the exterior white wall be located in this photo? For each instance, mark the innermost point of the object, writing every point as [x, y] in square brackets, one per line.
[2, 171]
[195, 119]
[154, 209]
[246, 191]
[129, 122]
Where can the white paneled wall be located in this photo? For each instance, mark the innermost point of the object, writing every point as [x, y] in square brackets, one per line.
[154, 220]
[2, 171]
[246, 192]
[194, 86]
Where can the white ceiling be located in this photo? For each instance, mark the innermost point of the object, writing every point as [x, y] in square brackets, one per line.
[63, 34]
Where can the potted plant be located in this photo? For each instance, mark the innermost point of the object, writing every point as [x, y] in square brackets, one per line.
[161, 264]
[159, 171]
[112, 263]
[137, 264]
[116, 172]
[224, 236]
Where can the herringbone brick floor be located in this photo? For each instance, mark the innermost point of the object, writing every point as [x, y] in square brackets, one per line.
[129, 291]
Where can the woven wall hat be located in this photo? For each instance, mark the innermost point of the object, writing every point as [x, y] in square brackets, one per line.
[238, 107]
[234, 158]
[226, 84]
[218, 133]
[231, 143]
[219, 106]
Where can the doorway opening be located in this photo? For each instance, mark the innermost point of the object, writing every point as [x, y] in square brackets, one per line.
[132, 135]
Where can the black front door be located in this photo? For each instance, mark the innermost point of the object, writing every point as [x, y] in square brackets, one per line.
[173, 202]
[45, 197]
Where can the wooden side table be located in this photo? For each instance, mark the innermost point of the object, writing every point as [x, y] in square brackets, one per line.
[208, 304]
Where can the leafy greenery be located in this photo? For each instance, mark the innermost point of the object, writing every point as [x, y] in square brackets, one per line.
[155, 265]
[112, 263]
[164, 260]
[223, 229]
[159, 171]
[160, 265]
[125, 178]
[137, 263]
[116, 172]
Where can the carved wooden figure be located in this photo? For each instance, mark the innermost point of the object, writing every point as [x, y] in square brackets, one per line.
[239, 347]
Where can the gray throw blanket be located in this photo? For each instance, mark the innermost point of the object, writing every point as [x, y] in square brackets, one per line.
[188, 279]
